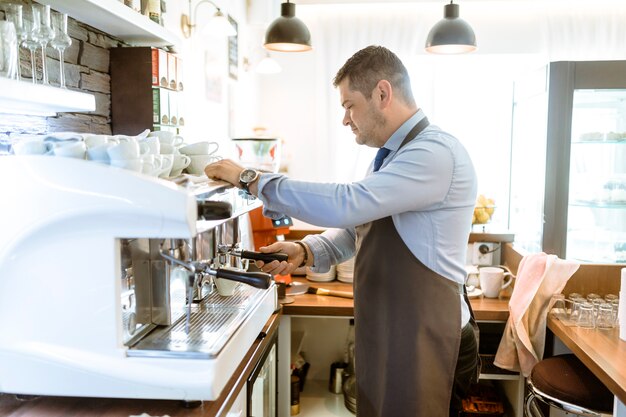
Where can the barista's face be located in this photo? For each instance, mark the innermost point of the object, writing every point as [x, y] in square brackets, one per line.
[362, 115]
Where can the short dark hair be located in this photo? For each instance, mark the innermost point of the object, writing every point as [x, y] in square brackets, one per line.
[368, 66]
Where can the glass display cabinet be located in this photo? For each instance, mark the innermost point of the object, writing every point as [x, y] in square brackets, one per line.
[568, 165]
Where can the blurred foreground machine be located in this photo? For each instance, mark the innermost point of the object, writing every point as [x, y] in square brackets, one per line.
[108, 282]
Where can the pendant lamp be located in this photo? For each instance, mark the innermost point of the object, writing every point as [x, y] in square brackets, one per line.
[451, 35]
[287, 33]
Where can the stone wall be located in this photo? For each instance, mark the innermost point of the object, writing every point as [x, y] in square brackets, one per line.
[86, 69]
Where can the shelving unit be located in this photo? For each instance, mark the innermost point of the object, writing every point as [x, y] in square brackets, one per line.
[317, 401]
[19, 97]
[116, 19]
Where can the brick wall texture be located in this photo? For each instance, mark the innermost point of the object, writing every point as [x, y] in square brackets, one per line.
[86, 69]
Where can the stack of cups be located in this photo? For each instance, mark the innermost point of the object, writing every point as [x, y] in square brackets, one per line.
[622, 307]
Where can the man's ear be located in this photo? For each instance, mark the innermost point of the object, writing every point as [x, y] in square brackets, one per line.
[384, 93]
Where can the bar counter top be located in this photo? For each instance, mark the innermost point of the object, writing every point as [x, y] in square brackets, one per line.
[485, 309]
[601, 351]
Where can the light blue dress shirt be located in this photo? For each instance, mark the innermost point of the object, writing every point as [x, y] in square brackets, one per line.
[428, 187]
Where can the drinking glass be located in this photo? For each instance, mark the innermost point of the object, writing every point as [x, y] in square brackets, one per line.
[14, 14]
[60, 42]
[558, 306]
[8, 50]
[605, 316]
[43, 34]
[586, 316]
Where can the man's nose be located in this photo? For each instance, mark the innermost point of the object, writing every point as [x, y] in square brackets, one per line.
[346, 119]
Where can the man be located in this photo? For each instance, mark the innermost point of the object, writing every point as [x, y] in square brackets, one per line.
[408, 222]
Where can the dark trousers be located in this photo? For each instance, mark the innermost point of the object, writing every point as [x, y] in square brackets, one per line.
[465, 369]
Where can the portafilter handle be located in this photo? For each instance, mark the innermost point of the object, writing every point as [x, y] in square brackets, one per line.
[255, 256]
[261, 280]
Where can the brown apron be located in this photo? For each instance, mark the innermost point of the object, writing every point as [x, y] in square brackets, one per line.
[407, 326]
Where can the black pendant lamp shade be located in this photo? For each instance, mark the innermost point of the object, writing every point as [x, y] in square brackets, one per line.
[451, 35]
[287, 33]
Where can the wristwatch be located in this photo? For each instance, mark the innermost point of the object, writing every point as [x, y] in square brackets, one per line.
[247, 177]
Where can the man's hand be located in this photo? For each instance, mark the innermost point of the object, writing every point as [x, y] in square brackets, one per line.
[225, 170]
[293, 251]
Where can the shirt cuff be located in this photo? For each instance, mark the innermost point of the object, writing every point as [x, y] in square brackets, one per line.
[321, 258]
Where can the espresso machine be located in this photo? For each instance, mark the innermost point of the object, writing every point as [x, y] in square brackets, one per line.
[109, 282]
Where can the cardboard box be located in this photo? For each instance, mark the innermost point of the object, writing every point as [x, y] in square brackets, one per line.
[171, 72]
[156, 105]
[179, 73]
[164, 101]
[162, 63]
[173, 102]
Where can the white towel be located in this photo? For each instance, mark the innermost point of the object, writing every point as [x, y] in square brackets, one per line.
[539, 277]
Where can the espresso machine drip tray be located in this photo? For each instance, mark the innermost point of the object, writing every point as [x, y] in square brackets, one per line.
[213, 322]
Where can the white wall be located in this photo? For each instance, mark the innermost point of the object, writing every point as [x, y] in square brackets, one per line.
[468, 95]
[206, 68]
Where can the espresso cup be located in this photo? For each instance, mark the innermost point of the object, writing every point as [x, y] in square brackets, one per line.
[167, 160]
[153, 145]
[30, 146]
[199, 148]
[167, 149]
[199, 162]
[95, 140]
[129, 164]
[225, 287]
[150, 165]
[492, 281]
[170, 138]
[99, 153]
[124, 150]
[70, 150]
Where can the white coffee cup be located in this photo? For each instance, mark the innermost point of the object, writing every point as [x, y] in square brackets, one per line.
[95, 140]
[199, 148]
[130, 164]
[167, 149]
[124, 150]
[150, 165]
[225, 287]
[199, 162]
[180, 161]
[100, 153]
[34, 146]
[70, 149]
[153, 145]
[166, 165]
[492, 280]
[167, 137]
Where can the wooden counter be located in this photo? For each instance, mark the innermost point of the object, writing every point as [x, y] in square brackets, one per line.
[485, 309]
[601, 351]
[116, 407]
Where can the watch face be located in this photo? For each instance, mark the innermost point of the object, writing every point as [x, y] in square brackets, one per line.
[248, 175]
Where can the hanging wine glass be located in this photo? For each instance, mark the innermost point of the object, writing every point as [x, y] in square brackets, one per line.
[43, 34]
[14, 14]
[31, 42]
[60, 42]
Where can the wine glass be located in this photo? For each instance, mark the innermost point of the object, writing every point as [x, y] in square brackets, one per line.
[43, 34]
[30, 41]
[60, 42]
[14, 14]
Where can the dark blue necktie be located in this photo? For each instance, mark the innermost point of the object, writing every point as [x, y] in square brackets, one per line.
[380, 157]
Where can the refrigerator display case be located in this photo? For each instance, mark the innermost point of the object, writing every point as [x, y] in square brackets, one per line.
[568, 164]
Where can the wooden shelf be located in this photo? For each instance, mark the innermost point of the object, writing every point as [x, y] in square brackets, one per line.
[118, 20]
[19, 97]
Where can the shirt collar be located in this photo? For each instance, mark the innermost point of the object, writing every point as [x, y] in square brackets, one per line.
[394, 142]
